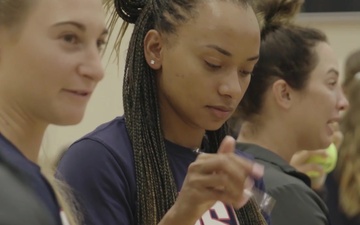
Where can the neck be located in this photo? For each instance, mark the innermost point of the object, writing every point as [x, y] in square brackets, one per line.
[179, 132]
[21, 130]
[271, 136]
[182, 135]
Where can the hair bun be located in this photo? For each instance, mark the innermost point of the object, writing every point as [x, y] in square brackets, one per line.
[277, 12]
[129, 10]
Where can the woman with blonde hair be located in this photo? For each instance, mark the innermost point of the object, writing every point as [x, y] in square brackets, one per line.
[343, 185]
[49, 66]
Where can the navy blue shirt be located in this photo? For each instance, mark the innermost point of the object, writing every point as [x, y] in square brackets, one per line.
[100, 168]
[33, 174]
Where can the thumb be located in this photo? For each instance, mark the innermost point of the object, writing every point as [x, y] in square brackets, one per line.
[227, 145]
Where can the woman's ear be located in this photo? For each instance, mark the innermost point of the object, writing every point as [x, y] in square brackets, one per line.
[153, 44]
[282, 93]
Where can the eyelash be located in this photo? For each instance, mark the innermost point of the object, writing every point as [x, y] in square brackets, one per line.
[212, 66]
[333, 83]
[71, 36]
[76, 40]
[100, 44]
[243, 73]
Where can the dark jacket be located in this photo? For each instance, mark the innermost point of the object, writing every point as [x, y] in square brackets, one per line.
[296, 203]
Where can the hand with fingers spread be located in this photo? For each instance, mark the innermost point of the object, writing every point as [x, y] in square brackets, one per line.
[215, 177]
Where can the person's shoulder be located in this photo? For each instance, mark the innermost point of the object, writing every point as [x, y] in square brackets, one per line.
[18, 202]
[275, 178]
[297, 204]
[244, 154]
[111, 136]
[115, 128]
[108, 146]
[286, 188]
[249, 150]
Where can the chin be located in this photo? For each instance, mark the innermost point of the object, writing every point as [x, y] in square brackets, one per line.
[213, 126]
[325, 142]
[69, 119]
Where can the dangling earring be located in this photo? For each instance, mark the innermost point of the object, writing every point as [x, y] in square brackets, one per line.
[152, 62]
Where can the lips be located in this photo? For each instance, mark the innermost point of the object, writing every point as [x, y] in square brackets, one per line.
[335, 120]
[221, 112]
[331, 125]
[78, 92]
[222, 108]
[83, 93]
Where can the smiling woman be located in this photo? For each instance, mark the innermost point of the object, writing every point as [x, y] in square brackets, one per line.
[49, 66]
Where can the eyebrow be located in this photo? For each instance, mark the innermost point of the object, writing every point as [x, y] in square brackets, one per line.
[226, 53]
[78, 25]
[221, 50]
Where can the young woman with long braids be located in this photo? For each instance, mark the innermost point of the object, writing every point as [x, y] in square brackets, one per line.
[187, 68]
[49, 65]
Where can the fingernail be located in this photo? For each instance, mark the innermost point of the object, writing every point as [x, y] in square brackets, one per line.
[258, 170]
[249, 183]
[248, 193]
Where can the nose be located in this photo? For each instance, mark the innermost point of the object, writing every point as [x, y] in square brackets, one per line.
[343, 102]
[91, 67]
[230, 85]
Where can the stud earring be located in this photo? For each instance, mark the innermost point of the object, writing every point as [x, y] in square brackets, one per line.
[152, 62]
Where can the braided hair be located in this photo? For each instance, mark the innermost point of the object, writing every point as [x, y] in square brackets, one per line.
[156, 188]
